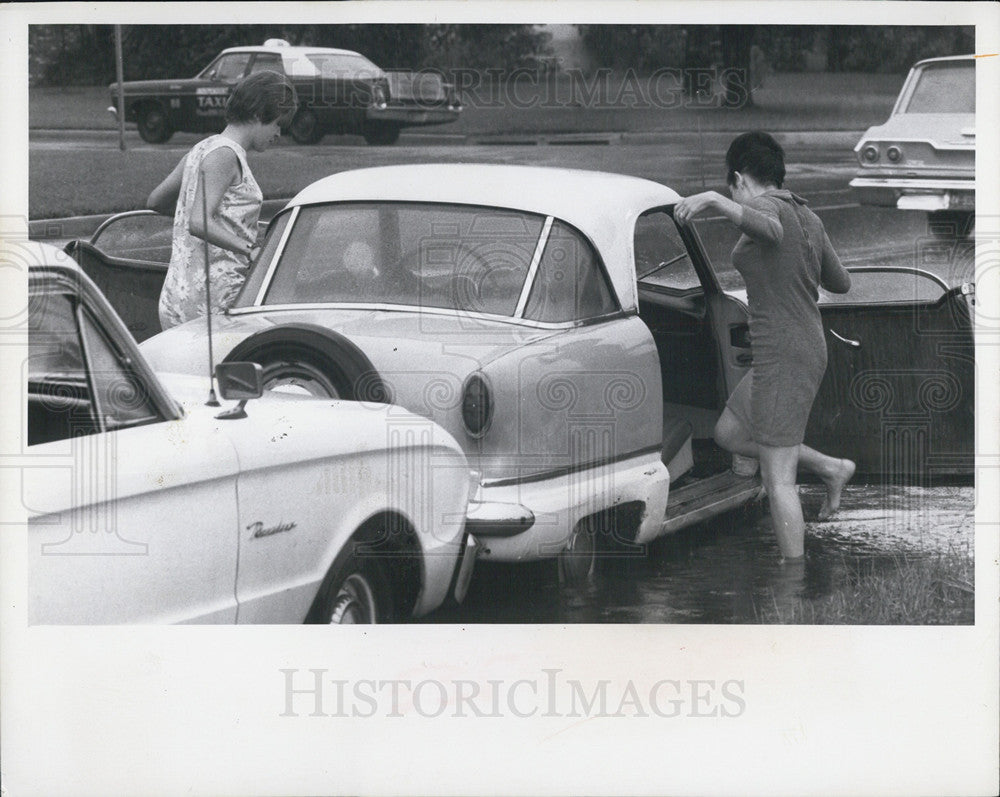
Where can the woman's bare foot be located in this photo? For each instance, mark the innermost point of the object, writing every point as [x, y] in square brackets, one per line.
[834, 485]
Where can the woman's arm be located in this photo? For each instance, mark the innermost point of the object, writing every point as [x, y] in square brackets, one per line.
[833, 276]
[163, 199]
[760, 223]
[221, 169]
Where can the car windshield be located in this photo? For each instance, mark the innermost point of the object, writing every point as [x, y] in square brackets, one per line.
[947, 87]
[457, 257]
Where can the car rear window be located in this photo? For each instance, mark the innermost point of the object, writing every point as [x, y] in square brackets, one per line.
[948, 87]
[456, 257]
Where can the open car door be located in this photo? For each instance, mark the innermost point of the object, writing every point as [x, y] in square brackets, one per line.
[898, 396]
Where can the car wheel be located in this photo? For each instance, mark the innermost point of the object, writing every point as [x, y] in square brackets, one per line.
[951, 223]
[305, 127]
[307, 359]
[380, 134]
[154, 127]
[302, 377]
[354, 592]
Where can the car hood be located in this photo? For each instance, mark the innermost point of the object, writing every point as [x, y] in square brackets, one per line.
[285, 428]
[942, 130]
[398, 343]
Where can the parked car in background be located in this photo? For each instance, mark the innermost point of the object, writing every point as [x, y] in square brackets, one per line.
[148, 506]
[924, 156]
[574, 339]
[339, 91]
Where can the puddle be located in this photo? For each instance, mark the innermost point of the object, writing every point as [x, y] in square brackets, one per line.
[728, 570]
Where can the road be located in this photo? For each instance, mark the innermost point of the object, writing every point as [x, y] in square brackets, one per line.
[820, 166]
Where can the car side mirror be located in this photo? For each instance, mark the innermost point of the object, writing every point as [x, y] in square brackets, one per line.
[239, 381]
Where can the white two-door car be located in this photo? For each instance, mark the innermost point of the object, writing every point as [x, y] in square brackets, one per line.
[924, 156]
[575, 340]
[146, 505]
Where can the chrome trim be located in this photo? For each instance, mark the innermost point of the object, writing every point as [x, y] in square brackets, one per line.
[111, 219]
[497, 519]
[536, 258]
[441, 311]
[855, 343]
[895, 269]
[914, 183]
[273, 265]
[556, 473]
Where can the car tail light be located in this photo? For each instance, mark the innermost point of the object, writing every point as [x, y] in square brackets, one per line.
[894, 154]
[477, 406]
[870, 153]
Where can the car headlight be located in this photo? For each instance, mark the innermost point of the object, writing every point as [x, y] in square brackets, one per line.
[869, 154]
[379, 97]
[477, 406]
[895, 154]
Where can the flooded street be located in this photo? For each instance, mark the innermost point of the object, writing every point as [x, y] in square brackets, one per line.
[728, 570]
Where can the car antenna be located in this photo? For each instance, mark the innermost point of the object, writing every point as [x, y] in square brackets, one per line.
[212, 400]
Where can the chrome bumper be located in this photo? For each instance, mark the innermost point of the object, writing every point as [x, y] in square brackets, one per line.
[414, 116]
[915, 193]
[496, 519]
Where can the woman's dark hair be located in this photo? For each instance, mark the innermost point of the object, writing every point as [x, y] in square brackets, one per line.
[758, 155]
[262, 96]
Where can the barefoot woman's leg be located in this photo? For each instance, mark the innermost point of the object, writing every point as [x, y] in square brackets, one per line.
[835, 473]
[778, 465]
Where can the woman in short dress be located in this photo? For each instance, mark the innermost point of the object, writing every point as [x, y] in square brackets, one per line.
[256, 109]
[783, 255]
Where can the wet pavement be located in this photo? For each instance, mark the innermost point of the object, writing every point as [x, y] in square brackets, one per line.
[728, 570]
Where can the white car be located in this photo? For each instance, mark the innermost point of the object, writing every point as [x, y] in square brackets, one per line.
[577, 343]
[924, 156]
[148, 506]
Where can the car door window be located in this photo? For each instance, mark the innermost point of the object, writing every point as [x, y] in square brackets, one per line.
[661, 257]
[570, 284]
[267, 62]
[229, 68]
[77, 383]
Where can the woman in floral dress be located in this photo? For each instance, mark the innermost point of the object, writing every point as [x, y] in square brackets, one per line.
[215, 176]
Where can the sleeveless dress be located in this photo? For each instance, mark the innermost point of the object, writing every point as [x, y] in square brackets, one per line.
[783, 255]
[183, 295]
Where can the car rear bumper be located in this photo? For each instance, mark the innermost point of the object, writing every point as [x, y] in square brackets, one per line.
[536, 519]
[915, 193]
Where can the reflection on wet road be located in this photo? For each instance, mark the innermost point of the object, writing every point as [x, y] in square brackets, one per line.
[728, 570]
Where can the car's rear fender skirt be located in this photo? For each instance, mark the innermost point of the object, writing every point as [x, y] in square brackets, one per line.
[327, 349]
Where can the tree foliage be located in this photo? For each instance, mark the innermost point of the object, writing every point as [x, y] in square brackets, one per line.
[84, 54]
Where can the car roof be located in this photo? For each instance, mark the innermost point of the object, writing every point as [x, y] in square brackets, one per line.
[944, 58]
[603, 206]
[290, 50]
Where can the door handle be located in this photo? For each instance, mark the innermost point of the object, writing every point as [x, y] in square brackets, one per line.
[856, 344]
[744, 359]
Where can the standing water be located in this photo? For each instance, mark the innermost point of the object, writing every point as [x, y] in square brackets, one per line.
[728, 570]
